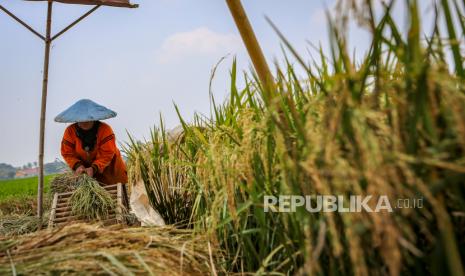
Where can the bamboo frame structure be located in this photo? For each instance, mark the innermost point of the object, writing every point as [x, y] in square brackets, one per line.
[251, 43]
[48, 38]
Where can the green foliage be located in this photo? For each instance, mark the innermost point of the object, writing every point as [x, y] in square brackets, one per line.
[393, 124]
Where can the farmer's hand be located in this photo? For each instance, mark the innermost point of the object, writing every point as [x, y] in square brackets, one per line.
[80, 170]
[90, 171]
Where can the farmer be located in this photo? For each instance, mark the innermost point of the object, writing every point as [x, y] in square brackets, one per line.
[89, 145]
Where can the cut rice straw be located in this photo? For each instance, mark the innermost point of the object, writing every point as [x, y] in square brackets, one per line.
[90, 249]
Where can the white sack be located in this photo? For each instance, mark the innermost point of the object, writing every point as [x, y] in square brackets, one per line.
[140, 206]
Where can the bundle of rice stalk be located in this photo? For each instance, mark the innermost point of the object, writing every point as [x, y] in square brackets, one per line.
[63, 183]
[91, 250]
[90, 200]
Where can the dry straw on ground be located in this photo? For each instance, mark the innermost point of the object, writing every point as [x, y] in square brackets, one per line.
[91, 249]
[12, 225]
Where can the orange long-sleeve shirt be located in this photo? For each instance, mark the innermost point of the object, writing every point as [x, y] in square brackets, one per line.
[105, 156]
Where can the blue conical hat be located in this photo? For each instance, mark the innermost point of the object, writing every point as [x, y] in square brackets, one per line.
[84, 111]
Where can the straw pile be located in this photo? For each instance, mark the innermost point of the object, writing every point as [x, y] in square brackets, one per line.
[90, 200]
[22, 205]
[90, 249]
[13, 225]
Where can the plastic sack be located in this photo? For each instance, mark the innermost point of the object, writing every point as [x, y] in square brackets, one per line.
[140, 206]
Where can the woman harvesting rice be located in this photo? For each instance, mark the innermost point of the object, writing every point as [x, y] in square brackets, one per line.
[89, 146]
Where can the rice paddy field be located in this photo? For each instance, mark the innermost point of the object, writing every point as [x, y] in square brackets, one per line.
[21, 187]
[390, 125]
[19, 196]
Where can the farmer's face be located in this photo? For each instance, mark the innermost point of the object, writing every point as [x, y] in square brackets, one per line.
[86, 125]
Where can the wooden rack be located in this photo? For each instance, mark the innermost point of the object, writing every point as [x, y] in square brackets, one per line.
[61, 214]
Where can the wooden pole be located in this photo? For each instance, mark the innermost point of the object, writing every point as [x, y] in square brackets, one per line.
[251, 42]
[43, 111]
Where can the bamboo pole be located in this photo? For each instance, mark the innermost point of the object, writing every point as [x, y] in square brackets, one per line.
[43, 111]
[251, 43]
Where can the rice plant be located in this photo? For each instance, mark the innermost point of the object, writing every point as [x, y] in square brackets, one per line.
[165, 173]
[392, 125]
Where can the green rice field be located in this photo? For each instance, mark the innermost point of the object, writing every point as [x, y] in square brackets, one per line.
[24, 187]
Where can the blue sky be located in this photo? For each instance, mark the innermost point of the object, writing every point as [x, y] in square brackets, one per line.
[134, 61]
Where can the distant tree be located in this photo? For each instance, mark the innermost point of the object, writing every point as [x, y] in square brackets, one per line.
[29, 165]
[57, 166]
[35, 164]
[7, 171]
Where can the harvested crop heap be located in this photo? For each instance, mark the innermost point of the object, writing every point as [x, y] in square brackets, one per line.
[90, 200]
[15, 224]
[63, 183]
[89, 250]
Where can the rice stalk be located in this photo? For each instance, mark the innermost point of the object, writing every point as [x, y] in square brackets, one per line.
[164, 167]
[90, 200]
[63, 183]
[389, 125]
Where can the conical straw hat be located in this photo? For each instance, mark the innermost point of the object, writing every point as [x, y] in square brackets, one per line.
[84, 111]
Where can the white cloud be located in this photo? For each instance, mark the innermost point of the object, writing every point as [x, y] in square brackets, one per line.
[199, 42]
